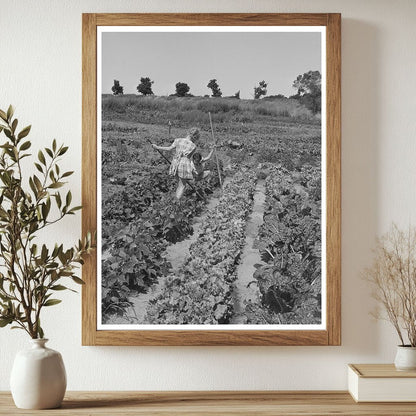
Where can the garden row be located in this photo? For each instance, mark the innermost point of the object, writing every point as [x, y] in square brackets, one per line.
[290, 244]
[130, 192]
[139, 221]
[201, 291]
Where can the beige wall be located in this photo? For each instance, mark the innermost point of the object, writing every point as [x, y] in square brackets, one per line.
[40, 73]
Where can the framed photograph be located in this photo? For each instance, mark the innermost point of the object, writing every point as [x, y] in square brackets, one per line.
[211, 172]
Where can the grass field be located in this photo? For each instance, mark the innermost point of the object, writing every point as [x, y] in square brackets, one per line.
[278, 131]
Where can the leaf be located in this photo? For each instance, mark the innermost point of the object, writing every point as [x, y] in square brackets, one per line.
[14, 125]
[67, 174]
[49, 151]
[45, 211]
[8, 133]
[76, 279]
[68, 198]
[77, 208]
[59, 287]
[63, 150]
[40, 331]
[56, 185]
[3, 115]
[5, 321]
[54, 145]
[58, 199]
[10, 112]
[66, 272]
[24, 133]
[37, 183]
[62, 257]
[33, 187]
[25, 145]
[41, 157]
[44, 253]
[51, 302]
[39, 167]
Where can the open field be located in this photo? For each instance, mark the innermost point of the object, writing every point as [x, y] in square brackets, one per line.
[276, 141]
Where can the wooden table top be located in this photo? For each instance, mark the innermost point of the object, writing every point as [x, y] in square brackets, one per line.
[179, 403]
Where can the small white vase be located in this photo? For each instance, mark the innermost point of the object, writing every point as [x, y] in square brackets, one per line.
[405, 358]
[38, 378]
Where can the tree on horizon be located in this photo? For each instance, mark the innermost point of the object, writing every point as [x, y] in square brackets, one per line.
[117, 88]
[260, 90]
[145, 86]
[215, 88]
[308, 88]
[182, 89]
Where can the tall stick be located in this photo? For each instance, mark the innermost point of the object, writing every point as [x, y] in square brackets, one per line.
[161, 154]
[215, 151]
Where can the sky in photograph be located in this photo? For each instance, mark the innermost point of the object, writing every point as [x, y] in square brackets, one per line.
[238, 60]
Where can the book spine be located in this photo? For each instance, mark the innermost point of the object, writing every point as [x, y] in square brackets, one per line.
[353, 381]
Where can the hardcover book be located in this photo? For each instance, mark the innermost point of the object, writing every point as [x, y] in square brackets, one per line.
[381, 383]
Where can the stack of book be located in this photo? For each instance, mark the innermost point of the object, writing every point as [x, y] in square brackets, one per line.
[381, 383]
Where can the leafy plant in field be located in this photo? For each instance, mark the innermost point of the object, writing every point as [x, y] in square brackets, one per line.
[141, 188]
[32, 273]
[136, 231]
[201, 292]
[290, 243]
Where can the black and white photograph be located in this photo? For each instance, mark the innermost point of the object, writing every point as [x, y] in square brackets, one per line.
[211, 177]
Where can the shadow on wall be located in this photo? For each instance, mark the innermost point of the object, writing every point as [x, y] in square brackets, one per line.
[360, 176]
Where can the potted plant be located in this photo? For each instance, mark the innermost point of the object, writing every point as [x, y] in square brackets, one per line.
[32, 273]
[393, 277]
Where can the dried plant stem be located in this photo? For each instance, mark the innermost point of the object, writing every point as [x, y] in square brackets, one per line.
[393, 276]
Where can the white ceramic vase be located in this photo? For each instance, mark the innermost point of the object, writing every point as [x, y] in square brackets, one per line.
[405, 358]
[38, 378]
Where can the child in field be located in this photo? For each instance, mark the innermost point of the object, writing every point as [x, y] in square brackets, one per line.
[198, 166]
[181, 165]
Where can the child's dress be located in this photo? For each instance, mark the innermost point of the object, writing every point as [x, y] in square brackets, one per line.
[181, 165]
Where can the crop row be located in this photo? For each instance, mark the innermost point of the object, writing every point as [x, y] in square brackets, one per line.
[136, 230]
[200, 292]
[131, 192]
[290, 245]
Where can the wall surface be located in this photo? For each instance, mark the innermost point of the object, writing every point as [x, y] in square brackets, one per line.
[40, 74]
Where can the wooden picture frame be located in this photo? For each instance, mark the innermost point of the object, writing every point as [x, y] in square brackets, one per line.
[331, 335]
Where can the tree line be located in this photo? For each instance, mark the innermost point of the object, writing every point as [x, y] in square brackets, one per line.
[308, 87]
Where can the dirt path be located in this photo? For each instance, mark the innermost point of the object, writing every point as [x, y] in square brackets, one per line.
[245, 287]
[176, 255]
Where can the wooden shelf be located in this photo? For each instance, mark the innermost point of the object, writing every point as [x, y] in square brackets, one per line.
[317, 403]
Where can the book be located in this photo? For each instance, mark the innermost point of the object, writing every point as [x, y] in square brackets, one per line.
[381, 383]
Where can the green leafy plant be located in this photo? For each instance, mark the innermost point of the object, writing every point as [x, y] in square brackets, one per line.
[31, 273]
